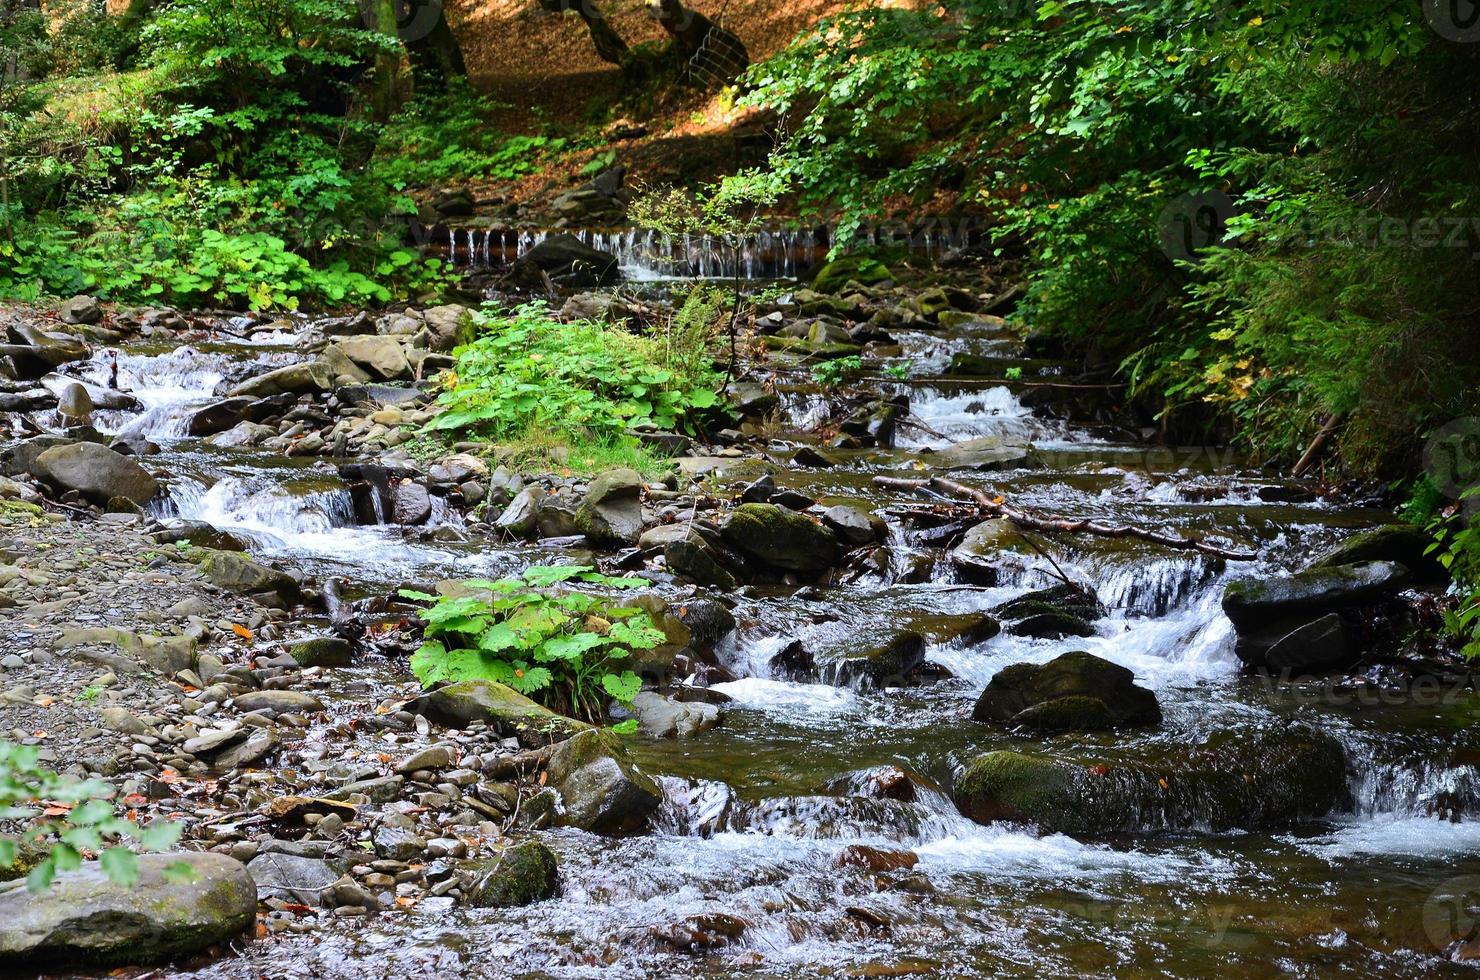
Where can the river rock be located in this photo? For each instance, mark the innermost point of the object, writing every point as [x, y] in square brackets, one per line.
[1402, 544]
[75, 405]
[448, 327]
[986, 453]
[217, 416]
[410, 503]
[864, 270]
[566, 261]
[82, 309]
[1327, 643]
[84, 916]
[521, 517]
[237, 573]
[1257, 601]
[398, 844]
[1237, 778]
[257, 747]
[611, 512]
[1073, 692]
[296, 379]
[322, 651]
[663, 717]
[781, 538]
[381, 357]
[291, 877]
[601, 789]
[275, 702]
[882, 658]
[96, 472]
[521, 875]
[854, 526]
[243, 435]
[994, 553]
[34, 352]
[691, 558]
[502, 707]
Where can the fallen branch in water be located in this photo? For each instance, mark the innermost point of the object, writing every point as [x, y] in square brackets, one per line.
[1032, 522]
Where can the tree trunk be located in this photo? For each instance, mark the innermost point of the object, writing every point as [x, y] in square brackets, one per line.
[388, 89]
[609, 44]
[714, 54]
[435, 54]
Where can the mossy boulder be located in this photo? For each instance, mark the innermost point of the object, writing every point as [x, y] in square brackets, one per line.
[1075, 691]
[1403, 544]
[781, 538]
[611, 512]
[1254, 602]
[862, 269]
[322, 651]
[1235, 779]
[85, 917]
[522, 875]
[235, 572]
[883, 658]
[601, 789]
[498, 705]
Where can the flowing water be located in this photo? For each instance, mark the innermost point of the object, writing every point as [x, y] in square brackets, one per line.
[759, 810]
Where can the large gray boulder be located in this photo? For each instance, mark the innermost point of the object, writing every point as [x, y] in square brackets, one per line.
[85, 917]
[381, 357]
[611, 512]
[81, 309]
[235, 572]
[96, 472]
[447, 327]
[522, 875]
[601, 789]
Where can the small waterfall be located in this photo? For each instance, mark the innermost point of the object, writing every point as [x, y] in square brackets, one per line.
[166, 385]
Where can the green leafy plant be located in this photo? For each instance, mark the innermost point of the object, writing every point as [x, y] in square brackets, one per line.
[69, 819]
[899, 371]
[538, 635]
[1013, 373]
[832, 373]
[573, 390]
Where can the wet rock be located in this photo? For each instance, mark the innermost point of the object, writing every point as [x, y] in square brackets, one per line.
[1051, 624]
[752, 400]
[292, 878]
[601, 789]
[994, 553]
[854, 526]
[881, 658]
[1255, 601]
[398, 844]
[814, 458]
[508, 711]
[274, 703]
[1073, 692]
[322, 651]
[257, 747]
[217, 416]
[521, 875]
[692, 559]
[33, 352]
[864, 270]
[557, 516]
[664, 717]
[296, 379]
[611, 512]
[237, 573]
[1327, 643]
[84, 916]
[565, 261]
[1235, 779]
[989, 453]
[411, 504]
[781, 538]
[521, 517]
[874, 423]
[380, 789]
[875, 859]
[433, 757]
[75, 405]
[96, 472]
[243, 435]
[703, 932]
[1401, 544]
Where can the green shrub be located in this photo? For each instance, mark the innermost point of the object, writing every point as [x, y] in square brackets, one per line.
[534, 384]
[565, 648]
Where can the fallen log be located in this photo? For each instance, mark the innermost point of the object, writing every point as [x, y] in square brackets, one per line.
[1024, 520]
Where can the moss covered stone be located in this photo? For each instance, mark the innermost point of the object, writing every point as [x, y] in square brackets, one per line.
[1236, 779]
[862, 269]
[781, 538]
[601, 789]
[1075, 691]
[509, 712]
[522, 875]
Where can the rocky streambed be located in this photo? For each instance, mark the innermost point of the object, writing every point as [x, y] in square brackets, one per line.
[886, 734]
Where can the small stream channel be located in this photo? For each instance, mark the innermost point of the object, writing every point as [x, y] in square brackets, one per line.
[760, 809]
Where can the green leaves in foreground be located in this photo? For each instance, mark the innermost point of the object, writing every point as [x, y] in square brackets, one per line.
[561, 646]
[71, 819]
